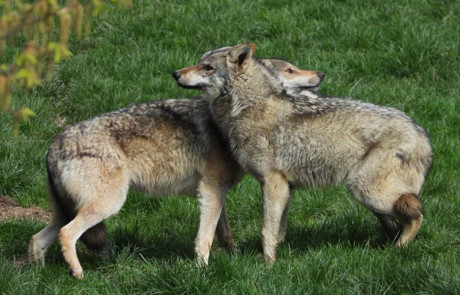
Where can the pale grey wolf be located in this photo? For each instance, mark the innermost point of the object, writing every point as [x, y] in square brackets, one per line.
[299, 138]
[165, 147]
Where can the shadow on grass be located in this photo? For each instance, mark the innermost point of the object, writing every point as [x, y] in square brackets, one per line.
[170, 244]
[338, 231]
[164, 246]
[343, 231]
[15, 236]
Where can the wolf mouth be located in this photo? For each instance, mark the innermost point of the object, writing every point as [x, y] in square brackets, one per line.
[198, 86]
[314, 88]
[307, 87]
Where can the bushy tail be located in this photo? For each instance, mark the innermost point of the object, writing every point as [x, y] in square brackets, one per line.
[65, 208]
[408, 207]
[95, 238]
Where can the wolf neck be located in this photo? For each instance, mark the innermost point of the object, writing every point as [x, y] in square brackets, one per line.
[246, 91]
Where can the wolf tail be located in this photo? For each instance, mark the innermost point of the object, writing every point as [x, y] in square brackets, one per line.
[65, 208]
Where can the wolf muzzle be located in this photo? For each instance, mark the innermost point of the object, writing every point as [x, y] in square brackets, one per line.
[176, 75]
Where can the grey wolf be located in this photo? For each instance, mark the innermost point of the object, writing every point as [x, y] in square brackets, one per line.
[301, 139]
[165, 147]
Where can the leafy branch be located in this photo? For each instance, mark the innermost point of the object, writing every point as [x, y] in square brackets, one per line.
[45, 28]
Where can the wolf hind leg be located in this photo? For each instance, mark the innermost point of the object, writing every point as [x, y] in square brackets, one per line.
[283, 223]
[88, 216]
[409, 211]
[224, 232]
[389, 223]
[101, 201]
[40, 242]
[403, 212]
[389, 187]
[276, 198]
[69, 234]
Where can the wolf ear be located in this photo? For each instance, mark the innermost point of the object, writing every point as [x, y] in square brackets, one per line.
[241, 55]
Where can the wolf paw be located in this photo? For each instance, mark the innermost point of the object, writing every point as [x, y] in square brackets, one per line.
[76, 274]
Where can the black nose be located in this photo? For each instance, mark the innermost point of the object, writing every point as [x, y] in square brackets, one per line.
[321, 75]
[176, 75]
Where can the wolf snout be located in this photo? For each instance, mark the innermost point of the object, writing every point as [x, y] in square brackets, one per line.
[176, 75]
[320, 75]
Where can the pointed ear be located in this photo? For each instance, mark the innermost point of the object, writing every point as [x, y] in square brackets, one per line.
[241, 55]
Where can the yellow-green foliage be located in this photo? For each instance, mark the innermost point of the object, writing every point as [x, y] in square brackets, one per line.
[36, 23]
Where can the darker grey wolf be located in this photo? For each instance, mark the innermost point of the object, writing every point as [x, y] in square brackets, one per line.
[299, 138]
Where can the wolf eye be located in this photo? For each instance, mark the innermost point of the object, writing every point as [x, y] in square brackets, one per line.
[208, 68]
[289, 70]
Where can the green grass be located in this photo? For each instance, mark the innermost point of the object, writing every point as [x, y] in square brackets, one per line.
[403, 54]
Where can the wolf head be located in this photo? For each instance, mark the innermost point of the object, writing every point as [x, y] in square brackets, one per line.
[218, 68]
[290, 77]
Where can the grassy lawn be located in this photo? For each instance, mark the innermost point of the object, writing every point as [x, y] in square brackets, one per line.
[403, 54]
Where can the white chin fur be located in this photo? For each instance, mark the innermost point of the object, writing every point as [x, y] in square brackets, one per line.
[212, 93]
